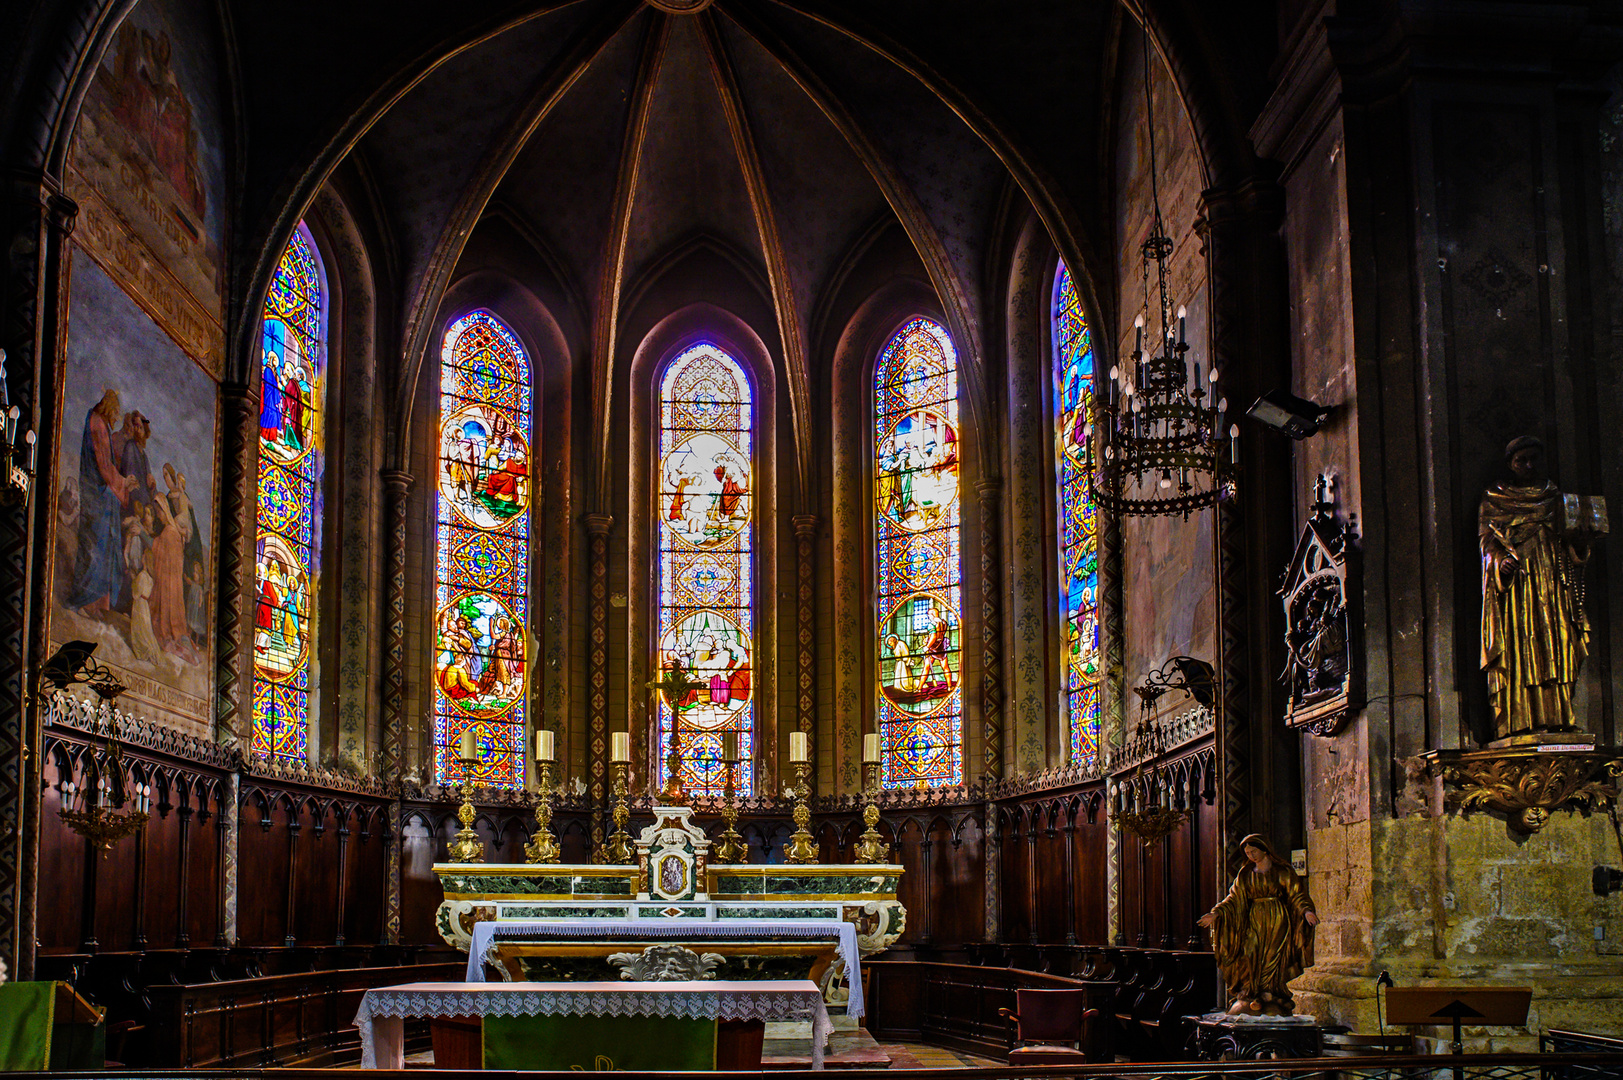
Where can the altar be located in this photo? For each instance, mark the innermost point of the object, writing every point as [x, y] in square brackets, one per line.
[673, 914]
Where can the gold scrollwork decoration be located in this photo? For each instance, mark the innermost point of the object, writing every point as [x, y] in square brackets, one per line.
[1528, 785]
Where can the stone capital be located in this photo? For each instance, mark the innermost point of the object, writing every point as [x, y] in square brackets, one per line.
[598, 524]
[806, 525]
[396, 482]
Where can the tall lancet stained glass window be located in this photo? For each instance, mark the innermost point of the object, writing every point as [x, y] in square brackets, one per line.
[293, 362]
[920, 602]
[1078, 521]
[482, 570]
[705, 507]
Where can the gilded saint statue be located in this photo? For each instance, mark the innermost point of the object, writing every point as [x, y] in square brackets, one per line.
[1262, 932]
[1535, 635]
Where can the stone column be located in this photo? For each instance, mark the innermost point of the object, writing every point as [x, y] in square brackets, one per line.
[991, 506]
[1254, 531]
[36, 277]
[396, 489]
[597, 673]
[234, 657]
[805, 655]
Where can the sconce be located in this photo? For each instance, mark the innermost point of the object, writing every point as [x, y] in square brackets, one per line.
[1153, 821]
[100, 817]
[20, 455]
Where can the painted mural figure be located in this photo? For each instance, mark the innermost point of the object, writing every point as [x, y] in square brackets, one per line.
[98, 572]
[1535, 633]
[1262, 932]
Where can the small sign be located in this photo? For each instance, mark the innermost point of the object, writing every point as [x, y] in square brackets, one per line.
[1566, 748]
[1299, 860]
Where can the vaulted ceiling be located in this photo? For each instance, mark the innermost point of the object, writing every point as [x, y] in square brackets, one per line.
[615, 131]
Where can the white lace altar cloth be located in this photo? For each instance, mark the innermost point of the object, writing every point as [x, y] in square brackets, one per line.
[486, 934]
[381, 1019]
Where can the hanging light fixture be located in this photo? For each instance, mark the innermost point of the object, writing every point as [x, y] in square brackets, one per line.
[1164, 449]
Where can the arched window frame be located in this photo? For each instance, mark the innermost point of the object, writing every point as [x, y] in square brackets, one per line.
[702, 772]
[1081, 667]
[289, 523]
[896, 727]
[501, 738]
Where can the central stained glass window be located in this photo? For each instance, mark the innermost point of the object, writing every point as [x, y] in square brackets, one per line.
[481, 596]
[293, 361]
[705, 507]
[1078, 521]
[920, 603]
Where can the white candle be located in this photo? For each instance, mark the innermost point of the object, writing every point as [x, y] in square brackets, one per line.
[870, 749]
[729, 746]
[798, 741]
[467, 744]
[620, 747]
[544, 746]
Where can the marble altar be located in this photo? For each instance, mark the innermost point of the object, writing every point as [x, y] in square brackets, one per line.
[673, 880]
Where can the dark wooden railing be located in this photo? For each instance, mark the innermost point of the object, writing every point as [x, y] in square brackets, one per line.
[1141, 995]
[274, 1020]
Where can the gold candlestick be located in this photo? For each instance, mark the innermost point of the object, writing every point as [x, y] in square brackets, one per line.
[872, 848]
[543, 846]
[466, 847]
[674, 793]
[617, 850]
[800, 849]
[731, 849]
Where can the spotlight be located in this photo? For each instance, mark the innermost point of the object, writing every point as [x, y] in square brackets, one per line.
[72, 664]
[1606, 881]
[1286, 413]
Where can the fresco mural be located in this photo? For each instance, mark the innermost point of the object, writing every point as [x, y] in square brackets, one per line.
[134, 560]
[148, 167]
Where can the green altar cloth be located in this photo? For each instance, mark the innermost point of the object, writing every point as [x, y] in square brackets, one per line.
[599, 1043]
[26, 1012]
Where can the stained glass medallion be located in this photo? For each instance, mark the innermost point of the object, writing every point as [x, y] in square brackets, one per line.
[291, 396]
[1078, 521]
[705, 507]
[917, 517]
[481, 640]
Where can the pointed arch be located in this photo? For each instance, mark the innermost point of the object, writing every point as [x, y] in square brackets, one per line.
[481, 551]
[287, 549]
[1081, 661]
[918, 560]
[705, 507]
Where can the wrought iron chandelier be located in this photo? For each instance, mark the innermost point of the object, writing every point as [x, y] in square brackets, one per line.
[1163, 449]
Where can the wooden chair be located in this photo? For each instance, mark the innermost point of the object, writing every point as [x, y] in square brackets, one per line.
[1050, 1021]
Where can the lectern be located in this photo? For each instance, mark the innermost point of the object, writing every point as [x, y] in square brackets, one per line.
[1498, 1006]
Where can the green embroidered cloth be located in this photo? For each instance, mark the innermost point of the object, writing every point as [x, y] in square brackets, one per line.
[26, 1012]
[599, 1043]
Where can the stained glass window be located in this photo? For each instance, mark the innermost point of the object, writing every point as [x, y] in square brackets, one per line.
[920, 603]
[706, 513]
[482, 570]
[1078, 521]
[293, 361]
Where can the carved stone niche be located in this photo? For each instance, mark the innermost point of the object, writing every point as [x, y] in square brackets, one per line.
[1529, 783]
[1319, 672]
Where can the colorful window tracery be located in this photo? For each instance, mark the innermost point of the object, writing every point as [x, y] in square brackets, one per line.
[1078, 521]
[286, 550]
[917, 516]
[705, 508]
[482, 573]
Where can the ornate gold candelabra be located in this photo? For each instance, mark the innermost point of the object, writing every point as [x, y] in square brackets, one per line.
[800, 849]
[543, 846]
[466, 847]
[731, 849]
[617, 849]
[872, 848]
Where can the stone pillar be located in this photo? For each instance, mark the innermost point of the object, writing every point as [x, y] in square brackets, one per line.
[1254, 531]
[805, 655]
[396, 489]
[597, 673]
[991, 505]
[234, 656]
[42, 220]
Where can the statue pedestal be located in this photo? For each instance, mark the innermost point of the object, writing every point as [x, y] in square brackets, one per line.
[1529, 777]
[1221, 1037]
